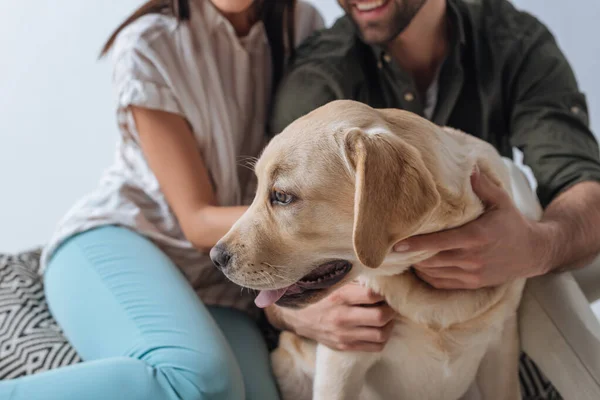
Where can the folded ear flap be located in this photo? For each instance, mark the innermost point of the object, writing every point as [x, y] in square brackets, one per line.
[394, 193]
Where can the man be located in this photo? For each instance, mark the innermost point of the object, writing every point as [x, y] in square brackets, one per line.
[485, 68]
[492, 71]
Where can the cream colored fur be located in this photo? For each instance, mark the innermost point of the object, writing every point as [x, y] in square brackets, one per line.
[364, 179]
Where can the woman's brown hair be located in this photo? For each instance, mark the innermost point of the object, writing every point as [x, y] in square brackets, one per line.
[277, 17]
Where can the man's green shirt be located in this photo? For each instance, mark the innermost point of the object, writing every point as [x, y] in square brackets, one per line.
[505, 80]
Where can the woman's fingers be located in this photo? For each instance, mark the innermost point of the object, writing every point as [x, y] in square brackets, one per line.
[363, 338]
[356, 294]
[364, 346]
[375, 316]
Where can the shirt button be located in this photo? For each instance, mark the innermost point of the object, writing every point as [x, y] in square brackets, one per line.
[575, 110]
[387, 58]
[379, 64]
[408, 96]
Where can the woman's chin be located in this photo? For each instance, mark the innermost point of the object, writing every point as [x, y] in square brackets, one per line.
[232, 6]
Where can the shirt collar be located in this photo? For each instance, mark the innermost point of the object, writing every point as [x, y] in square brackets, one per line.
[206, 16]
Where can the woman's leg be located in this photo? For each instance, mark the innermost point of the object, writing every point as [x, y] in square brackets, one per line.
[136, 322]
[250, 350]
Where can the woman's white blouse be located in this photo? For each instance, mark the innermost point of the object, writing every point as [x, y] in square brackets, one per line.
[221, 84]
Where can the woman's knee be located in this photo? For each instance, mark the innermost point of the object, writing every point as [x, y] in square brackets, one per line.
[143, 310]
[191, 375]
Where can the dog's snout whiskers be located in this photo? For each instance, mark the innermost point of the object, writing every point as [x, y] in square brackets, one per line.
[276, 273]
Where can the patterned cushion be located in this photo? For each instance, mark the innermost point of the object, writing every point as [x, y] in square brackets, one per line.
[30, 339]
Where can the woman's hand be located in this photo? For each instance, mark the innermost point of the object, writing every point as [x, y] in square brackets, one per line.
[353, 318]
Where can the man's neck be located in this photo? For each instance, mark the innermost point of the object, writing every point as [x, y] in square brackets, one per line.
[422, 47]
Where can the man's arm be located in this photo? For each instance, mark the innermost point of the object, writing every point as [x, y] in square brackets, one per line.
[573, 225]
[550, 125]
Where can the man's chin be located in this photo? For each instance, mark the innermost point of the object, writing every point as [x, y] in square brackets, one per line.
[376, 36]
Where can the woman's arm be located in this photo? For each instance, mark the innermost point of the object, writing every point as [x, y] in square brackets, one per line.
[172, 153]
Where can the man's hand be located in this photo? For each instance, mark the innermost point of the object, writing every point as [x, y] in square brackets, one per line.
[353, 318]
[497, 247]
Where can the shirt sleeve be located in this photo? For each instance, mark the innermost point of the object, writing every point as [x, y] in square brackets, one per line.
[140, 78]
[308, 20]
[303, 90]
[304, 87]
[549, 119]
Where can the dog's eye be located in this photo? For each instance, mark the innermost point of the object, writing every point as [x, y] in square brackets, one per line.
[281, 197]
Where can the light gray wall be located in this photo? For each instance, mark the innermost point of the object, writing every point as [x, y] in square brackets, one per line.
[57, 127]
[576, 26]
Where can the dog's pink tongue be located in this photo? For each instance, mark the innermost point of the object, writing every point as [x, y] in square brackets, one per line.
[267, 297]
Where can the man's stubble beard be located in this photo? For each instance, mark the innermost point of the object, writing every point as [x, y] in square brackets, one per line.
[384, 32]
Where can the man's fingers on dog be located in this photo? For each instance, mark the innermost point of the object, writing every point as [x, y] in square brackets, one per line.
[451, 239]
[458, 258]
[450, 278]
[437, 241]
[470, 282]
[444, 272]
[450, 284]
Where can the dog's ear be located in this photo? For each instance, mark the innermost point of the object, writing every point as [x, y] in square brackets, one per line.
[394, 192]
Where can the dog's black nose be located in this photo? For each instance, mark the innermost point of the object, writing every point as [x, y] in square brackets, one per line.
[220, 257]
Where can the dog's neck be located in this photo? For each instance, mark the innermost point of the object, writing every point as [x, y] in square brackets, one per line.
[417, 301]
[452, 162]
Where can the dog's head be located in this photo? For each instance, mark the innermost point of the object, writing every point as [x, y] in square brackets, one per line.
[336, 190]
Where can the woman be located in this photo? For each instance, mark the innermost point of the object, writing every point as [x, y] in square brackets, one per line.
[127, 274]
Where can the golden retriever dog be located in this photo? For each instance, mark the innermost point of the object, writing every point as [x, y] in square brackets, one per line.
[336, 190]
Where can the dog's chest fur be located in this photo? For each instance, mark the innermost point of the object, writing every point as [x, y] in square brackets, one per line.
[421, 364]
[436, 336]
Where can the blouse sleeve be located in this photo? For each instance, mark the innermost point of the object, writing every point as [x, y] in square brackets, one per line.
[308, 20]
[141, 76]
